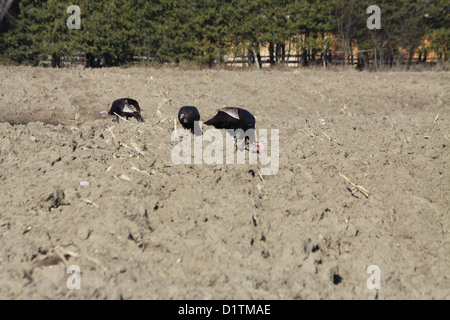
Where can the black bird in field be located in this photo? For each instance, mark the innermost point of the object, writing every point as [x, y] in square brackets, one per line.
[189, 117]
[236, 118]
[125, 107]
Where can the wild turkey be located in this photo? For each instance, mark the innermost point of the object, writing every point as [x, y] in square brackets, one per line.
[126, 108]
[236, 118]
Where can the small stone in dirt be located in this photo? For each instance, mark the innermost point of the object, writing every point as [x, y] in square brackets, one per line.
[84, 183]
[84, 232]
[337, 279]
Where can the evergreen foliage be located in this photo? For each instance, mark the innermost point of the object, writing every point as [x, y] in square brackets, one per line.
[205, 31]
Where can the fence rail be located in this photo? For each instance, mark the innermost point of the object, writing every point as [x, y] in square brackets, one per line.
[337, 58]
[360, 59]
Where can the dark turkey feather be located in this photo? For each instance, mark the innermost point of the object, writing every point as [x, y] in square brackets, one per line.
[126, 107]
[234, 118]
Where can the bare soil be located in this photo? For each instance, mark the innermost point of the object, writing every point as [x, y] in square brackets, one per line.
[146, 228]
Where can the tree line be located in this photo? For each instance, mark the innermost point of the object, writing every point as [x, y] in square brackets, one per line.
[205, 32]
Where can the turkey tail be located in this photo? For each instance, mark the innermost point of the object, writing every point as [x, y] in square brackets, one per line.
[220, 121]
